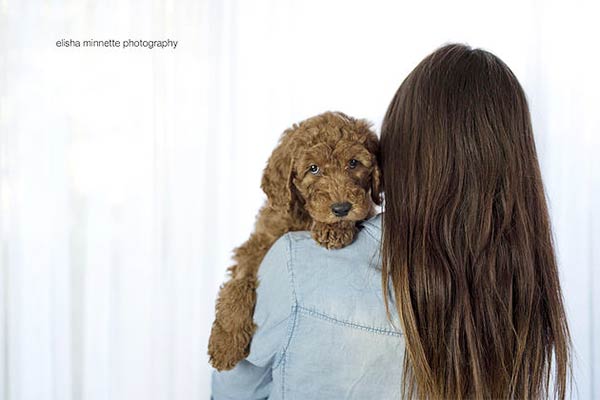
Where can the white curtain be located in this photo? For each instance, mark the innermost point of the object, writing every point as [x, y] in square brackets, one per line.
[128, 175]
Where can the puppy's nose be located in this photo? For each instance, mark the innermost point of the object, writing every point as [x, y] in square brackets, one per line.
[341, 209]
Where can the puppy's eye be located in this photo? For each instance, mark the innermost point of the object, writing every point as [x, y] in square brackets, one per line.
[314, 169]
[352, 163]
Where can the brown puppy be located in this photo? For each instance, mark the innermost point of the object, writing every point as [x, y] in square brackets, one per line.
[323, 177]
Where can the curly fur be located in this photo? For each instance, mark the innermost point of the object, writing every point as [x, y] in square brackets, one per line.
[298, 199]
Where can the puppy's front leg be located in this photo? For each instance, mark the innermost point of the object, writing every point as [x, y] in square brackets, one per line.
[334, 236]
[232, 330]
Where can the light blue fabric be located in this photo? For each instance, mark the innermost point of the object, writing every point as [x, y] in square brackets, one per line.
[322, 327]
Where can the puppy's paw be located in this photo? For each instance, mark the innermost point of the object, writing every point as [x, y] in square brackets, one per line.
[334, 236]
[226, 348]
[232, 330]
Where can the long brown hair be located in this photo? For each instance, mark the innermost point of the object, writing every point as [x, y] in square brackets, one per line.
[467, 242]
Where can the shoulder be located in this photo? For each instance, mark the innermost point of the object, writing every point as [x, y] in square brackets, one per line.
[341, 285]
[369, 234]
[311, 265]
[299, 248]
[307, 265]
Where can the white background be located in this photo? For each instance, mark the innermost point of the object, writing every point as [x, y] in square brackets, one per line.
[127, 176]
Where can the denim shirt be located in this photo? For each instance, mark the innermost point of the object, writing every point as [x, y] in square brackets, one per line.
[322, 329]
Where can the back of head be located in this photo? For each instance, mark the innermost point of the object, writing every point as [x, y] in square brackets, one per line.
[467, 242]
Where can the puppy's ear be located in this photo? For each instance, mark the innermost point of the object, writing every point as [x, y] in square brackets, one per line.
[277, 179]
[376, 184]
[371, 143]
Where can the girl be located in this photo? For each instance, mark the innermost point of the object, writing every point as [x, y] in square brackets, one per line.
[453, 291]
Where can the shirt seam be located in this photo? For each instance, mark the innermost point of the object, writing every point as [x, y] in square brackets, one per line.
[293, 310]
[283, 358]
[283, 377]
[350, 324]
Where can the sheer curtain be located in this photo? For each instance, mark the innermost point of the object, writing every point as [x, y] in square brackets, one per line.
[128, 175]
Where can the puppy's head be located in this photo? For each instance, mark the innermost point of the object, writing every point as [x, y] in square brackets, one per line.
[327, 166]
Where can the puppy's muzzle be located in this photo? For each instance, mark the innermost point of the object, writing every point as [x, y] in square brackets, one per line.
[341, 209]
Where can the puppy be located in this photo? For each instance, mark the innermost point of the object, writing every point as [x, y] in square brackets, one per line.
[323, 177]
